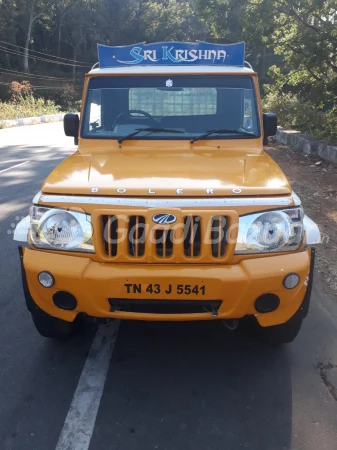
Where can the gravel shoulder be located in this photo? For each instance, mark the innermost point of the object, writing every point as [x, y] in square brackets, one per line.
[315, 182]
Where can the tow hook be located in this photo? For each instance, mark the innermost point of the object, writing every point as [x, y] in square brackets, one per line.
[213, 310]
[231, 324]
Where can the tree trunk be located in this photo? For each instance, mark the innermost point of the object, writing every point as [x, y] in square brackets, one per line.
[28, 36]
[58, 36]
[76, 50]
[9, 66]
[60, 15]
[75, 59]
[262, 69]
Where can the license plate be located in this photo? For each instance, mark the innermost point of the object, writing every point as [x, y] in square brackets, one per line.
[193, 290]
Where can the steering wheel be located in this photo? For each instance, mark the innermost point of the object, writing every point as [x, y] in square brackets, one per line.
[130, 113]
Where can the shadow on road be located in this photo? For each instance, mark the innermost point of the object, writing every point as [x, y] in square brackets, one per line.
[40, 383]
[194, 386]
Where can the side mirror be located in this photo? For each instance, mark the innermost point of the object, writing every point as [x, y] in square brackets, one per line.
[269, 126]
[71, 125]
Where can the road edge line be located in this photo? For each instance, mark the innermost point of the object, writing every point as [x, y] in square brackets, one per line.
[81, 418]
[13, 167]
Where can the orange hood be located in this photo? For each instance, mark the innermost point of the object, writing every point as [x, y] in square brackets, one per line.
[162, 173]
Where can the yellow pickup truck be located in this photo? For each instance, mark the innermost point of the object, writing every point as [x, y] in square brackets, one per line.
[170, 210]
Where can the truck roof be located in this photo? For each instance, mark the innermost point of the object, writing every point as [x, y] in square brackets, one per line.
[162, 70]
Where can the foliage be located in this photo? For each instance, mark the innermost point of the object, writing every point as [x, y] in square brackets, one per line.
[305, 35]
[168, 21]
[300, 114]
[18, 90]
[67, 97]
[291, 43]
[27, 107]
[222, 19]
[302, 85]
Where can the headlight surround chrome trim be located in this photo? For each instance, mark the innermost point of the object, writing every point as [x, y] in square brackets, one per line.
[36, 198]
[293, 220]
[82, 242]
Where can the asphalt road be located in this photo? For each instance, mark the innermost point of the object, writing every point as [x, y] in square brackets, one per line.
[168, 386]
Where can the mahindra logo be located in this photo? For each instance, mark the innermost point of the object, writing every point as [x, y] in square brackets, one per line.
[164, 218]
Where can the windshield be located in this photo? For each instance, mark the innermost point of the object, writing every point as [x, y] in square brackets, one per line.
[117, 107]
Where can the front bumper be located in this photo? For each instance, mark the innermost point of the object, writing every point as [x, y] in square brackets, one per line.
[237, 286]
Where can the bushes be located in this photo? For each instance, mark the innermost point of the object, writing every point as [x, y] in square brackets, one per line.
[27, 107]
[294, 112]
[23, 104]
[329, 124]
[68, 97]
[24, 101]
[18, 90]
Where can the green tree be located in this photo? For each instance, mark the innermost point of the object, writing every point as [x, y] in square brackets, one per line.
[305, 35]
[169, 20]
[62, 8]
[221, 19]
[29, 12]
[8, 28]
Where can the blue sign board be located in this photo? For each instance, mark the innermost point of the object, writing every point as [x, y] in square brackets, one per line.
[172, 54]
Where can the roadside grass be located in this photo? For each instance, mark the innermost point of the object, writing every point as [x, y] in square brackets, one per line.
[26, 107]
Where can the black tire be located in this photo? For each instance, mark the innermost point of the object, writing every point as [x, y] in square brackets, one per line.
[52, 327]
[283, 333]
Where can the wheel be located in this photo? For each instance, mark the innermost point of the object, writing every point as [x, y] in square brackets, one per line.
[283, 333]
[52, 327]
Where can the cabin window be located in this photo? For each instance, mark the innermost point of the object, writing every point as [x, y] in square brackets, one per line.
[171, 102]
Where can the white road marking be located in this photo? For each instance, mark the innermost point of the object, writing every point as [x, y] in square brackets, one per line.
[13, 167]
[80, 421]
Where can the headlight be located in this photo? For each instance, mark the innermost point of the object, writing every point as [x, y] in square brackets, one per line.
[60, 229]
[270, 231]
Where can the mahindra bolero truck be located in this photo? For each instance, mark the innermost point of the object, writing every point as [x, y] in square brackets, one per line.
[169, 210]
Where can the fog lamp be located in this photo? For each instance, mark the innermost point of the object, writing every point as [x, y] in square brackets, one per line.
[291, 281]
[46, 279]
[267, 303]
[65, 300]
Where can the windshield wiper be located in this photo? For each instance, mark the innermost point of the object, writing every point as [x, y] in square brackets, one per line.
[221, 131]
[150, 130]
